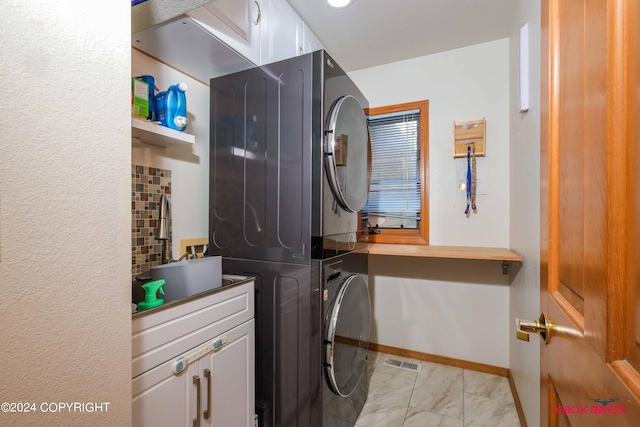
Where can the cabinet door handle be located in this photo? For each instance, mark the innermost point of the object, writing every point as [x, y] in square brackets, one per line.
[257, 21]
[207, 412]
[196, 381]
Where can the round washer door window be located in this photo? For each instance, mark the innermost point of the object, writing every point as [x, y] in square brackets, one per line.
[348, 336]
[346, 154]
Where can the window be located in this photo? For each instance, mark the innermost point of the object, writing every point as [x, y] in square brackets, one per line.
[397, 208]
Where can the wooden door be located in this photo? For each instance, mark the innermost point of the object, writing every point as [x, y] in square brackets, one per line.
[590, 255]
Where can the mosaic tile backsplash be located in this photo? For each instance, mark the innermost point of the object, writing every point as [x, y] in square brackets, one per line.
[147, 185]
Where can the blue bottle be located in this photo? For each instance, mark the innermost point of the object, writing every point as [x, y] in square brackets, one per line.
[171, 107]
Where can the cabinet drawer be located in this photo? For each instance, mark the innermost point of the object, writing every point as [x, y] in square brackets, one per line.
[158, 337]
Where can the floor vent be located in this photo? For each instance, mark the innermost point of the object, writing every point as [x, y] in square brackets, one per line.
[409, 366]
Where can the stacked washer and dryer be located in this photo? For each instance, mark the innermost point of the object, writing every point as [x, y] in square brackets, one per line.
[289, 171]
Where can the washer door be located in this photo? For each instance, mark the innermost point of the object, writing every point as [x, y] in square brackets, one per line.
[348, 336]
[347, 153]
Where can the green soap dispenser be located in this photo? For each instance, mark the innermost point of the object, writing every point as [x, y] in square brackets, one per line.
[150, 298]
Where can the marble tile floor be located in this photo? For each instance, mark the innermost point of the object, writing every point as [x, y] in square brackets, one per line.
[437, 396]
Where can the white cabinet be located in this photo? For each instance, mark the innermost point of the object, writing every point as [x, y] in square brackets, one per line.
[226, 36]
[281, 32]
[284, 34]
[227, 396]
[149, 13]
[161, 398]
[193, 364]
[310, 43]
[235, 22]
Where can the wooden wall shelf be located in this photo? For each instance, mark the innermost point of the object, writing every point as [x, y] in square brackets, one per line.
[456, 252]
[452, 252]
[469, 133]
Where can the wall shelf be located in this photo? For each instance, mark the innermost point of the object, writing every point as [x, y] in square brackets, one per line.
[469, 133]
[451, 252]
[458, 252]
[143, 131]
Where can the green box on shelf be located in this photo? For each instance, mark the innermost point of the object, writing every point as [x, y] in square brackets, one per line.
[139, 98]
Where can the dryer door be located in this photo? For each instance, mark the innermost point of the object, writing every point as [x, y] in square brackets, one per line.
[348, 336]
[347, 154]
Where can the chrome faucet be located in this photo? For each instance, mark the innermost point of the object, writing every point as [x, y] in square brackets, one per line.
[162, 231]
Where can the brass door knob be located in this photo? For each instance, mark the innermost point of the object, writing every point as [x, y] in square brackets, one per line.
[542, 327]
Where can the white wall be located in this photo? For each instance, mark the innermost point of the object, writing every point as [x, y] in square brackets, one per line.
[189, 165]
[462, 84]
[65, 212]
[524, 198]
[452, 308]
[434, 306]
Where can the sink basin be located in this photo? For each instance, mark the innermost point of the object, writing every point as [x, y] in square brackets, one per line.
[186, 278]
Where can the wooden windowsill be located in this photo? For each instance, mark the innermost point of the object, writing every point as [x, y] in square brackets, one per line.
[458, 252]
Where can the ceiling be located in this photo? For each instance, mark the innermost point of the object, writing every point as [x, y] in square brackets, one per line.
[374, 32]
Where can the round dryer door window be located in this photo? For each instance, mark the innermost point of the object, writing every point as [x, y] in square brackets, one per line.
[347, 154]
[348, 336]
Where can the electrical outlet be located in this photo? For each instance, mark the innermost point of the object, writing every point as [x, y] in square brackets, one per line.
[199, 243]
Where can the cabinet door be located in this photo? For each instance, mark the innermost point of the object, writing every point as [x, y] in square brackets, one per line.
[228, 397]
[235, 22]
[282, 31]
[310, 43]
[161, 398]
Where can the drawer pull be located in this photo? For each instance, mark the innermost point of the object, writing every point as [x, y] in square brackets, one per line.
[257, 21]
[207, 412]
[196, 381]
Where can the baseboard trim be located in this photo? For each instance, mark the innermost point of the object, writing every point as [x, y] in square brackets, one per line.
[458, 363]
[443, 360]
[516, 399]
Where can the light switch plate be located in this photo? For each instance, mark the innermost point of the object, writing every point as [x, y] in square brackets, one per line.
[461, 176]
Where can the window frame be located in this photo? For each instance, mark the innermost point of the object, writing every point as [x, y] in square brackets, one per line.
[420, 235]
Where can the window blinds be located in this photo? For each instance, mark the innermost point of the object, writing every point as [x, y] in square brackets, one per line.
[395, 177]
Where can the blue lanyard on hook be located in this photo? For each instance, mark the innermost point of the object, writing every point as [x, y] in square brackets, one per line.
[469, 183]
